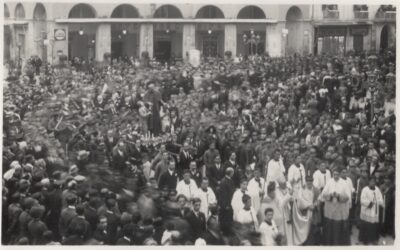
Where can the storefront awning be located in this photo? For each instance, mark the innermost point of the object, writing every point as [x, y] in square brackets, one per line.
[341, 23]
[15, 22]
[163, 20]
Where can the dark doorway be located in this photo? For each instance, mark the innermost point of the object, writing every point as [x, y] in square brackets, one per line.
[358, 43]
[210, 47]
[384, 37]
[162, 50]
[116, 49]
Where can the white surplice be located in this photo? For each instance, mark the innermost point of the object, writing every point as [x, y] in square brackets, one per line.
[370, 214]
[297, 177]
[254, 188]
[237, 202]
[188, 190]
[320, 179]
[207, 198]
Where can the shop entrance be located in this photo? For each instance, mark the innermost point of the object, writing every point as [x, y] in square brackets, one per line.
[162, 50]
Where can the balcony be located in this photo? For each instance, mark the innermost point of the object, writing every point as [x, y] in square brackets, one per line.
[386, 16]
[361, 14]
[331, 14]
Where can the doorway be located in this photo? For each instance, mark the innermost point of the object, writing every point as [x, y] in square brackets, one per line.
[210, 47]
[116, 49]
[358, 43]
[162, 50]
[384, 38]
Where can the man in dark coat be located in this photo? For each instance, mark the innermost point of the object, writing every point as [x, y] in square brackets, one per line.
[185, 157]
[113, 220]
[213, 236]
[36, 227]
[225, 194]
[90, 213]
[195, 173]
[67, 214]
[169, 179]
[128, 232]
[232, 163]
[215, 173]
[119, 155]
[80, 224]
[53, 203]
[196, 219]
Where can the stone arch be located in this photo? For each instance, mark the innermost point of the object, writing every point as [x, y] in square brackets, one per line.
[168, 11]
[210, 11]
[294, 25]
[125, 11]
[294, 14]
[82, 10]
[19, 11]
[251, 12]
[40, 30]
[6, 11]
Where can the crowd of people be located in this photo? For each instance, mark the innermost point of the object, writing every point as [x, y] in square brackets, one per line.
[296, 150]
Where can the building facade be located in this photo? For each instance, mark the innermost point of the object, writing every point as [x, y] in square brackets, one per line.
[169, 31]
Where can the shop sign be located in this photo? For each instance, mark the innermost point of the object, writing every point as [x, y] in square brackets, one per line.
[59, 34]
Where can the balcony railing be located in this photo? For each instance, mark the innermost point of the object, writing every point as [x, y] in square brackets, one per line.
[386, 15]
[331, 14]
[361, 14]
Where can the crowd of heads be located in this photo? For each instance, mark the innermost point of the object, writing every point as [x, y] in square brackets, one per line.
[322, 111]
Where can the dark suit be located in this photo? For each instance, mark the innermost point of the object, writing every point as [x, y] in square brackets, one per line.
[184, 161]
[237, 174]
[169, 181]
[212, 240]
[36, 229]
[224, 196]
[123, 242]
[214, 174]
[196, 177]
[73, 240]
[118, 159]
[53, 203]
[197, 223]
[91, 216]
[67, 214]
[81, 225]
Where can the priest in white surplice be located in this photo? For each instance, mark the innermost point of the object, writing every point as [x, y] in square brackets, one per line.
[269, 231]
[321, 176]
[371, 199]
[297, 175]
[247, 216]
[187, 186]
[207, 197]
[237, 202]
[303, 207]
[336, 213]
[275, 168]
[256, 189]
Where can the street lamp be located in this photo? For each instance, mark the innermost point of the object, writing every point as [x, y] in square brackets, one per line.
[19, 54]
[372, 90]
[252, 41]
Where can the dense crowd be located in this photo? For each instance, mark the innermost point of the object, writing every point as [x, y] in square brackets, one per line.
[296, 150]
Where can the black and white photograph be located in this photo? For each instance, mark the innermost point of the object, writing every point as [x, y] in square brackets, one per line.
[198, 123]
